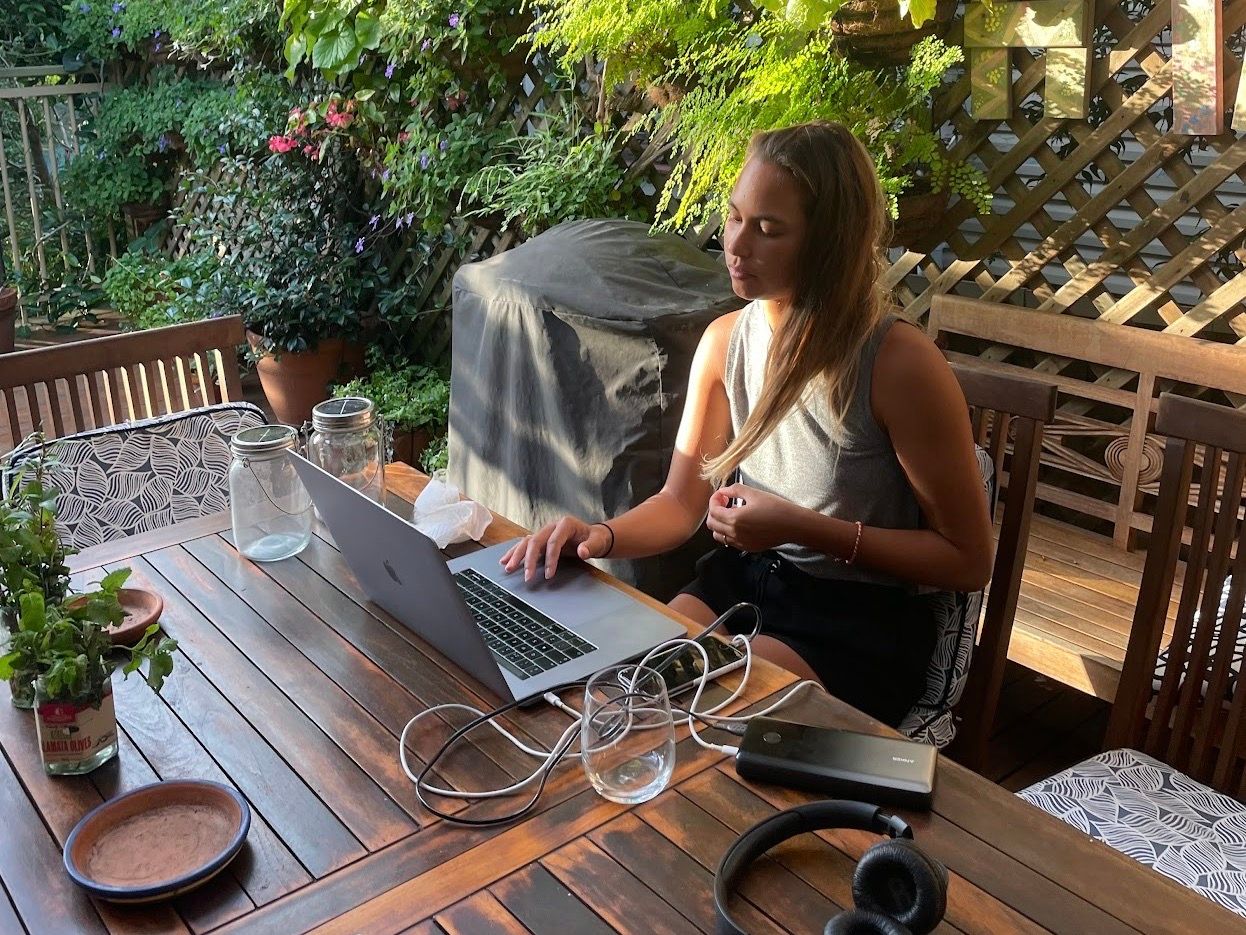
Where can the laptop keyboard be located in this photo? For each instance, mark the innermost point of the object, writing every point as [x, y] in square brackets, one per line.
[524, 640]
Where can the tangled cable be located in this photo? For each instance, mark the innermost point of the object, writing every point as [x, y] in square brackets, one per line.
[556, 754]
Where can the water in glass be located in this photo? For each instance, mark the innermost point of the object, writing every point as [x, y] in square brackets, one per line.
[627, 736]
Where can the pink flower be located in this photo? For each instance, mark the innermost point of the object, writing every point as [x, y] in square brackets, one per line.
[403, 136]
[339, 119]
[309, 150]
[281, 144]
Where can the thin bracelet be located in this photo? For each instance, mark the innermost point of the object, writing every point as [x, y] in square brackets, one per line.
[856, 546]
[611, 547]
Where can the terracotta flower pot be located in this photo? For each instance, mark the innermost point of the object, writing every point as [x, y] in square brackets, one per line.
[8, 318]
[294, 382]
[874, 33]
[920, 213]
[409, 445]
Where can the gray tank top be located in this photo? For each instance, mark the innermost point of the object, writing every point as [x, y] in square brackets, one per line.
[849, 470]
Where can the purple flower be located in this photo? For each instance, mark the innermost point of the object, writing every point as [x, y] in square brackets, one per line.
[389, 70]
[162, 143]
[375, 220]
[443, 145]
[116, 31]
[221, 149]
[425, 45]
[84, 8]
[398, 222]
[359, 245]
[385, 176]
[425, 159]
[158, 47]
[410, 217]
[454, 20]
[156, 34]
[118, 7]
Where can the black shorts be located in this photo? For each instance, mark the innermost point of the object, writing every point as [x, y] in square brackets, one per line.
[870, 644]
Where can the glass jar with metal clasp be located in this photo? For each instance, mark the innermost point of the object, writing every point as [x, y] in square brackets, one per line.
[347, 440]
[270, 508]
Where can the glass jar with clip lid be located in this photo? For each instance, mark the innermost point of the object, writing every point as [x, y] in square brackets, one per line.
[347, 440]
[270, 508]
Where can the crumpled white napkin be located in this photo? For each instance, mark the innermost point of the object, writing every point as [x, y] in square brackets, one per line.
[443, 517]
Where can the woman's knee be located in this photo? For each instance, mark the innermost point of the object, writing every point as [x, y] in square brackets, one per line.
[693, 608]
[778, 652]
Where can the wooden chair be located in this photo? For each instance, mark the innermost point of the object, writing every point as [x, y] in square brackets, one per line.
[1008, 414]
[1195, 720]
[107, 381]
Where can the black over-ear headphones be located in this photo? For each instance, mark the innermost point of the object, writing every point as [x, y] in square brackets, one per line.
[897, 890]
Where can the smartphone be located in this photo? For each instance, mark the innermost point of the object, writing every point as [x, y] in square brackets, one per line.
[682, 666]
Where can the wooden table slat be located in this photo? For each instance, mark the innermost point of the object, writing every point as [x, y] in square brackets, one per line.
[677, 878]
[48, 902]
[366, 672]
[480, 912]
[617, 895]
[546, 907]
[266, 868]
[206, 616]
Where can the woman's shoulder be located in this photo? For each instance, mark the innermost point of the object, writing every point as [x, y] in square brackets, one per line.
[909, 368]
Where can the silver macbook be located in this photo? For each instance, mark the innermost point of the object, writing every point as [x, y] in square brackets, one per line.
[519, 639]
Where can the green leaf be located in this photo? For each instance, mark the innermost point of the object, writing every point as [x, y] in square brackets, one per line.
[919, 11]
[115, 579]
[333, 49]
[367, 30]
[296, 49]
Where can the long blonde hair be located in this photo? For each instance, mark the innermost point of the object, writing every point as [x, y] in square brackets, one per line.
[837, 301]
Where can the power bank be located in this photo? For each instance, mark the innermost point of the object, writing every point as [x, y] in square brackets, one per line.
[838, 763]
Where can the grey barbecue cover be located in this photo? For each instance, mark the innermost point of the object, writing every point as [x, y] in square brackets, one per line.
[570, 365]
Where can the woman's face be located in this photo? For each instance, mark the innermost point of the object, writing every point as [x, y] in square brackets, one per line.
[765, 232]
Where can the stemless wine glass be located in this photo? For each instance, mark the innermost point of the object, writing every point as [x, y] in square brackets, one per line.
[627, 736]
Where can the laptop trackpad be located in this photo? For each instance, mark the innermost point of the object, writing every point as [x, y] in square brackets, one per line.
[573, 597]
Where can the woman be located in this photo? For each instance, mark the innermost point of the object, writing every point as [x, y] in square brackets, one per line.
[858, 489]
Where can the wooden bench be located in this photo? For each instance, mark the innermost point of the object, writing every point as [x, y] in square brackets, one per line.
[1100, 469]
[120, 378]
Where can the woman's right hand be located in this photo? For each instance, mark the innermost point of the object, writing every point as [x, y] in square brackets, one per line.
[567, 536]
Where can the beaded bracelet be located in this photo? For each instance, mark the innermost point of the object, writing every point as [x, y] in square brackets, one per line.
[856, 546]
[610, 548]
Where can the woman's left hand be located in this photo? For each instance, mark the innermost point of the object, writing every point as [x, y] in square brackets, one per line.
[757, 522]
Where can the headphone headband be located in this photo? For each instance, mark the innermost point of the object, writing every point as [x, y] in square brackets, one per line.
[812, 816]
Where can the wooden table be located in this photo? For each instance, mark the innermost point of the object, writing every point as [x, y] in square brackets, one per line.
[291, 687]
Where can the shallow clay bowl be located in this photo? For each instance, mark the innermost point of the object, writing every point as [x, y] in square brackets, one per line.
[142, 609]
[157, 841]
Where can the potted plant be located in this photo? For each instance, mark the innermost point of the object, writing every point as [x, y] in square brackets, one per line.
[32, 556]
[8, 310]
[67, 646]
[296, 265]
[414, 401]
[884, 32]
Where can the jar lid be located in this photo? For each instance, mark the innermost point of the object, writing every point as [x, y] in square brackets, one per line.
[343, 414]
[264, 439]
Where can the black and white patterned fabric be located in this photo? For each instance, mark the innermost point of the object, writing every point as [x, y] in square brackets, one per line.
[126, 479]
[1239, 649]
[1158, 816]
[957, 614]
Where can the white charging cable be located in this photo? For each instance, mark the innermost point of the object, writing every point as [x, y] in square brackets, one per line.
[549, 759]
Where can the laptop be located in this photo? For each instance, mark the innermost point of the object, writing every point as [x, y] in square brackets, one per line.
[518, 639]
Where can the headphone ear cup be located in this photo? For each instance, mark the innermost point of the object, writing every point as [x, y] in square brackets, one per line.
[863, 922]
[896, 879]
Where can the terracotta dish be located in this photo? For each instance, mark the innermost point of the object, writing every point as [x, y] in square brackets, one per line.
[142, 609]
[157, 841]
